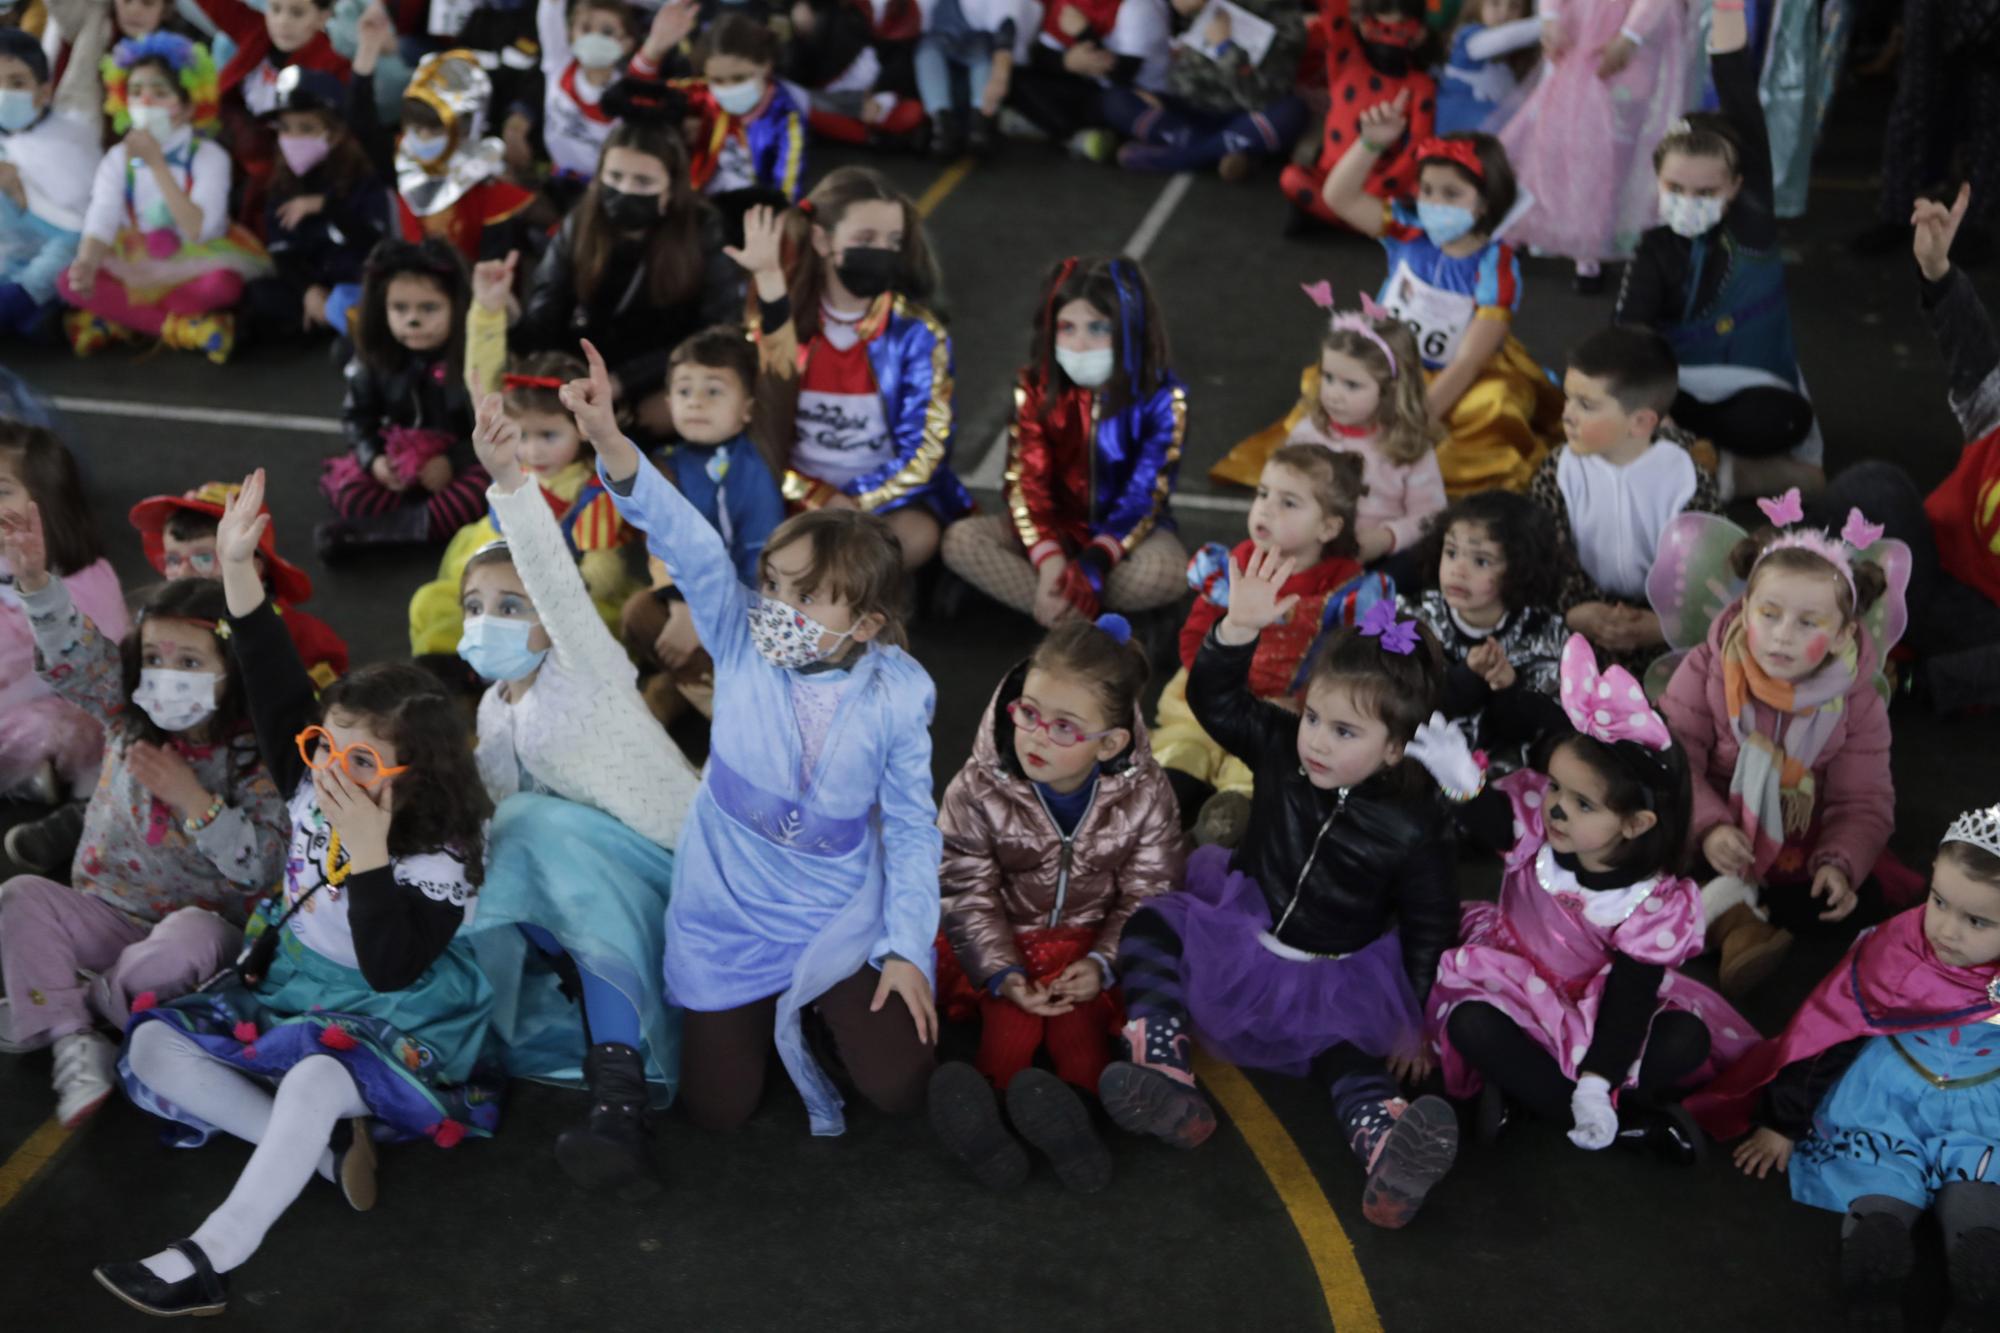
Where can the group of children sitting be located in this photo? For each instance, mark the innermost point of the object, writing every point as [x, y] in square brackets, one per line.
[1674, 732]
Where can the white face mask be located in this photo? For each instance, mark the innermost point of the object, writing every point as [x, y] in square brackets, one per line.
[1689, 216]
[425, 147]
[1087, 369]
[177, 700]
[157, 121]
[787, 636]
[739, 99]
[597, 50]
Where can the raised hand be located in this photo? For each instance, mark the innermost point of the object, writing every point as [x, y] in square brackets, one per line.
[25, 548]
[590, 401]
[493, 281]
[1254, 600]
[1441, 748]
[374, 37]
[1383, 124]
[1936, 225]
[763, 242]
[237, 534]
[496, 439]
[672, 22]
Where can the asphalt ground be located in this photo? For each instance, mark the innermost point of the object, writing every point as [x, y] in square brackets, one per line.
[775, 1230]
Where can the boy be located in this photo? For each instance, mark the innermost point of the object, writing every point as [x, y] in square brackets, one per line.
[1613, 487]
[288, 32]
[46, 167]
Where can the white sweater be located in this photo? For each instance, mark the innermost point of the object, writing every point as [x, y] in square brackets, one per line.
[581, 730]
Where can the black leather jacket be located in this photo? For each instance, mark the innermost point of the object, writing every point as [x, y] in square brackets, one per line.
[1337, 868]
[423, 391]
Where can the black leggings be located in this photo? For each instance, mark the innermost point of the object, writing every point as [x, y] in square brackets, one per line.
[1497, 1047]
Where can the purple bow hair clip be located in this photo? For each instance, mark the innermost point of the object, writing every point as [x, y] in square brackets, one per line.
[1397, 636]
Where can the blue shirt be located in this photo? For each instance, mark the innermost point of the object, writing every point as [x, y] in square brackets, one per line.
[1068, 810]
[734, 491]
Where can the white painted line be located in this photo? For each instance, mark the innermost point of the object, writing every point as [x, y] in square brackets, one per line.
[1221, 504]
[207, 416]
[991, 468]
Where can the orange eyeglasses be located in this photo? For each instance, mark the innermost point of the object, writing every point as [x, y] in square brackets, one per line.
[361, 762]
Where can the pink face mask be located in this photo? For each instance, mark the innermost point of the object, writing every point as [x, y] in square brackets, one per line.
[303, 152]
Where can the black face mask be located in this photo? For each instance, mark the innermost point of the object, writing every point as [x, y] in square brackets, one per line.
[868, 271]
[628, 212]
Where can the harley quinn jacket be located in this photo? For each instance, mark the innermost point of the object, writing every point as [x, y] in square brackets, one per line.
[1075, 479]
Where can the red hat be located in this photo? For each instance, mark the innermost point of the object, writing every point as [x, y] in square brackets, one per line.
[288, 583]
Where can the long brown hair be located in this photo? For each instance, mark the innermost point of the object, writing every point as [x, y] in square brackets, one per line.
[840, 190]
[1116, 288]
[674, 258]
[375, 344]
[1402, 419]
[346, 161]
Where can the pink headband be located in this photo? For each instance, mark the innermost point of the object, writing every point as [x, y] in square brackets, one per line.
[1855, 536]
[1363, 323]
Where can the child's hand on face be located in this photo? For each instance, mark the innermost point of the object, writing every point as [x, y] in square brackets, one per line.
[1032, 999]
[1254, 602]
[493, 282]
[1383, 124]
[1728, 849]
[144, 147]
[166, 775]
[496, 438]
[360, 816]
[678, 641]
[1832, 883]
[907, 980]
[1936, 225]
[386, 475]
[25, 548]
[435, 474]
[1761, 1153]
[590, 401]
[1079, 983]
[1612, 60]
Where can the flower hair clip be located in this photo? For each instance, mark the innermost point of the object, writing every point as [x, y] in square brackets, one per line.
[1396, 636]
[1321, 295]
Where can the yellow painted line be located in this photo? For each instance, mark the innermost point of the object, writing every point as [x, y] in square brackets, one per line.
[36, 1152]
[1348, 1303]
[947, 181]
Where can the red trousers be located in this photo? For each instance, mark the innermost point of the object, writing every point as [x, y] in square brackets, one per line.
[1079, 1041]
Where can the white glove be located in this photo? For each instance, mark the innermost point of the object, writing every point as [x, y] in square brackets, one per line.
[1596, 1120]
[1440, 747]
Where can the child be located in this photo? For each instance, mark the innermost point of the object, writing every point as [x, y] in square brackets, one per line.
[807, 874]
[1879, 1098]
[1309, 949]
[1711, 278]
[592, 798]
[178, 533]
[1614, 487]
[853, 63]
[47, 163]
[1617, 77]
[1786, 735]
[325, 211]
[583, 51]
[867, 368]
[1489, 580]
[1055, 831]
[450, 180]
[1457, 288]
[354, 998]
[1223, 110]
[1376, 51]
[1368, 400]
[723, 470]
[755, 140]
[159, 256]
[1304, 513]
[1554, 992]
[89, 32]
[1492, 52]
[184, 833]
[409, 475]
[1099, 420]
[288, 34]
[965, 67]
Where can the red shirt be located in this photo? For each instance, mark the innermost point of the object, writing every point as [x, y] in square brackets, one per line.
[1281, 648]
[1965, 517]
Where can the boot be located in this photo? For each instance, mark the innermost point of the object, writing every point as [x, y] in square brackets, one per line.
[405, 525]
[1974, 1263]
[47, 845]
[1876, 1256]
[947, 136]
[1050, 1115]
[1751, 948]
[213, 335]
[966, 1118]
[1152, 1091]
[608, 1151]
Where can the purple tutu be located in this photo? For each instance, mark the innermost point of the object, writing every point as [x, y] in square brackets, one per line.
[1262, 1010]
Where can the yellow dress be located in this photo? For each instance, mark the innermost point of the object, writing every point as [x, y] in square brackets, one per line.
[1180, 743]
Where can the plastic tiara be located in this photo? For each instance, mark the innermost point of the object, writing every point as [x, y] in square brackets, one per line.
[1978, 828]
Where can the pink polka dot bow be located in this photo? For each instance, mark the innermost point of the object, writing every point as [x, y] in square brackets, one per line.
[1608, 706]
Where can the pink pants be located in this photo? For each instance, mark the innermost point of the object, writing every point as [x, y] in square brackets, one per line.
[197, 296]
[48, 931]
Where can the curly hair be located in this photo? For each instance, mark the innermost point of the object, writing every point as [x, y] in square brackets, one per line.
[1523, 530]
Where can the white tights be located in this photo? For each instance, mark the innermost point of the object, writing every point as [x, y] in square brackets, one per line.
[290, 1130]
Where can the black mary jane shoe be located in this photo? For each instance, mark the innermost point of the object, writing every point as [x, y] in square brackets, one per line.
[1666, 1132]
[204, 1292]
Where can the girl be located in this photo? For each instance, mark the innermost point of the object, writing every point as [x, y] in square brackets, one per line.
[1617, 78]
[1786, 736]
[585, 46]
[1304, 513]
[755, 141]
[1711, 279]
[287, 34]
[184, 833]
[1879, 1099]
[1099, 420]
[1457, 288]
[1492, 52]
[1368, 400]
[49, 749]
[1489, 580]
[1055, 831]
[50, 163]
[354, 998]
[807, 874]
[862, 371]
[1376, 50]
[1283, 955]
[89, 31]
[159, 256]
[1553, 992]
[325, 212]
[582, 850]
[410, 475]
[637, 266]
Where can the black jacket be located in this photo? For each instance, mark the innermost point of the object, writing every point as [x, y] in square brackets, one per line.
[423, 391]
[634, 335]
[1373, 858]
[330, 246]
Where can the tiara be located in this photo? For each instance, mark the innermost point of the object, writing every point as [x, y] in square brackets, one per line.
[1788, 513]
[1980, 828]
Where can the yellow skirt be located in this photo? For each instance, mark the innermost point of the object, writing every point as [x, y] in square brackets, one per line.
[1180, 743]
[1497, 433]
[437, 623]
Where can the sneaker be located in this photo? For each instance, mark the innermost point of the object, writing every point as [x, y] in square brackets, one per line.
[1412, 1158]
[1223, 820]
[1875, 1261]
[202, 1292]
[89, 335]
[86, 1073]
[46, 846]
[1667, 1132]
[44, 787]
[1013, 125]
[966, 1118]
[1095, 145]
[1140, 1099]
[1048, 1114]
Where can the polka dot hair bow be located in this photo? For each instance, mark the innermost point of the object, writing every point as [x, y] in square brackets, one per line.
[1608, 706]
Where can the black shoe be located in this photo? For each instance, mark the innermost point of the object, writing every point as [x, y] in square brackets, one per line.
[984, 136]
[1881, 239]
[1974, 1263]
[1140, 1099]
[1491, 1117]
[966, 1118]
[1875, 1262]
[46, 846]
[609, 1151]
[405, 525]
[1050, 1115]
[947, 136]
[1418, 1152]
[1588, 284]
[205, 1292]
[1667, 1132]
[354, 1163]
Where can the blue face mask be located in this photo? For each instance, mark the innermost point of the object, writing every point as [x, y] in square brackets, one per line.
[1444, 223]
[17, 110]
[497, 648]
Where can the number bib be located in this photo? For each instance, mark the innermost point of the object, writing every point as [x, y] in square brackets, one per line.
[1436, 317]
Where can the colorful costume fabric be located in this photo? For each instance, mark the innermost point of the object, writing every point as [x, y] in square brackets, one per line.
[38, 725]
[56, 160]
[764, 150]
[1353, 84]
